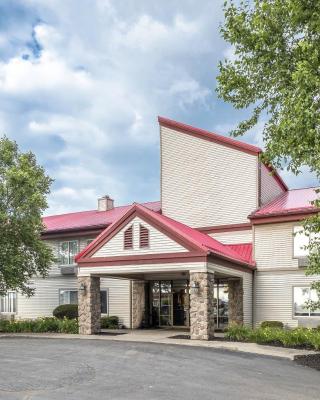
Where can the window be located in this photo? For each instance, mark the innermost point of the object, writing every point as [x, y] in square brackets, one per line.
[300, 240]
[144, 237]
[8, 303]
[300, 296]
[128, 238]
[70, 296]
[88, 241]
[67, 251]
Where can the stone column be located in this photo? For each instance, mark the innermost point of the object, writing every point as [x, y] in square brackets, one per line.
[235, 307]
[89, 305]
[202, 306]
[138, 304]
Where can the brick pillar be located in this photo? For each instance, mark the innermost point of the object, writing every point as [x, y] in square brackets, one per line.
[89, 305]
[202, 306]
[138, 304]
[235, 306]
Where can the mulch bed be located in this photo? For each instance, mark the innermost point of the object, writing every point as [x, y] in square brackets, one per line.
[309, 360]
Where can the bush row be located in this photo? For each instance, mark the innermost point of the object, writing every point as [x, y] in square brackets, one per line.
[47, 324]
[299, 337]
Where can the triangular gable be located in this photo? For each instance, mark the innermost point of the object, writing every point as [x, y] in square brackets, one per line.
[164, 240]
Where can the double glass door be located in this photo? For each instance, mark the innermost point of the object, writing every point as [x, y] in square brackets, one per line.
[169, 303]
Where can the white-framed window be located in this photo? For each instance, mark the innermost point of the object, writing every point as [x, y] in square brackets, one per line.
[301, 295]
[70, 296]
[8, 303]
[300, 240]
[67, 251]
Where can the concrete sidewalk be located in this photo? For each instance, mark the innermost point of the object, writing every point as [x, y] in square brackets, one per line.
[162, 336]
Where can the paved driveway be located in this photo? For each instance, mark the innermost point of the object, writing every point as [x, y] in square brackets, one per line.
[91, 369]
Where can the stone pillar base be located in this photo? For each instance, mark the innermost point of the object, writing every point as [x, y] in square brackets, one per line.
[202, 306]
[89, 305]
[235, 301]
[138, 304]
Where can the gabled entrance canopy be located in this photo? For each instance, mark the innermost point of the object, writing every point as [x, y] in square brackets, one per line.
[171, 242]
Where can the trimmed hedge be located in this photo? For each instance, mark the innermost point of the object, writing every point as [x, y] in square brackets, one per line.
[272, 324]
[69, 311]
[111, 322]
[298, 337]
[40, 325]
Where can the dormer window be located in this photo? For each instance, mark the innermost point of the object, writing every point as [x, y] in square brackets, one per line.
[144, 237]
[128, 238]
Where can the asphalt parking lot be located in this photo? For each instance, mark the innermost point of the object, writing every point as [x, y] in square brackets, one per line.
[92, 369]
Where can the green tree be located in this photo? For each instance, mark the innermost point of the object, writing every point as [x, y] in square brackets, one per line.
[23, 189]
[275, 76]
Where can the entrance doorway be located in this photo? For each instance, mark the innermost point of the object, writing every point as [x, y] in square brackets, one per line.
[169, 303]
[221, 302]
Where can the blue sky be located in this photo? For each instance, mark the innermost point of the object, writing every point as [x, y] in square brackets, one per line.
[82, 84]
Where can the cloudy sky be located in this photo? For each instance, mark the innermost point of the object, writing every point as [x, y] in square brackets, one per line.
[82, 84]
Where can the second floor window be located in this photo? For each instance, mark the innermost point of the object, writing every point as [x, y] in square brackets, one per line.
[67, 252]
[300, 240]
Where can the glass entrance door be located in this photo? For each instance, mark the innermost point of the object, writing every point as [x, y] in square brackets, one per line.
[169, 303]
[221, 301]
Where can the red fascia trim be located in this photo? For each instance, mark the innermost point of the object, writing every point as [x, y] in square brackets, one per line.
[239, 267]
[213, 137]
[143, 259]
[71, 233]
[277, 177]
[268, 219]
[225, 228]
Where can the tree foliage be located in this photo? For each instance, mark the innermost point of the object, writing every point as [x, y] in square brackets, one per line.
[23, 189]
[275, 76]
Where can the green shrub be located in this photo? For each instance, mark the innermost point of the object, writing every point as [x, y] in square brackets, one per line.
[272, 324]
[240, 333]
[111, 322]
[66, 311]
[40, 325]
[68, 326]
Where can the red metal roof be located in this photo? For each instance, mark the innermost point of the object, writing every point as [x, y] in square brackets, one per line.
[90, 219]
[200, 240]
[244, 249]
[291, 202]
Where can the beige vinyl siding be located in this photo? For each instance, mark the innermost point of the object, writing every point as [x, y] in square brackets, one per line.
[273, 246]
[205, 183]
[270, 188]
[247, 281]
[158, 242]
[274, 297]
[233, 237]
[46, 297]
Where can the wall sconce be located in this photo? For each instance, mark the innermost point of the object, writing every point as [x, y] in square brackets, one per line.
[82, 288]
[195, 287]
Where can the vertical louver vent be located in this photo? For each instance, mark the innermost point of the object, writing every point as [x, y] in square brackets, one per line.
[128, 238]
[144, 236]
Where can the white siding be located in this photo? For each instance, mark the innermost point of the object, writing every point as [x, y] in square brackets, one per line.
[205, 183]
[233, 237]
[46, 297]
[247, 281]
[159, 242]
[274, 297]
[270, 188]
[273, 246]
